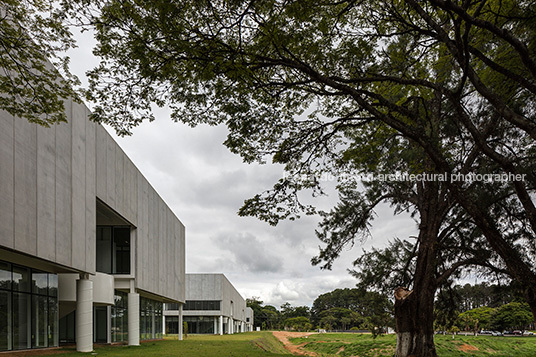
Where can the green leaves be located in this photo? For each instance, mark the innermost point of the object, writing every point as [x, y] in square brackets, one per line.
[34, 76]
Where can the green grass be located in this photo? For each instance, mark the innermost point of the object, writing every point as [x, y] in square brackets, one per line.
[362, 345]
[254, 344]
[264, 344]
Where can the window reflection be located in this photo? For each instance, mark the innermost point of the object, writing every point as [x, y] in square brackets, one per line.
[203, 305]
[113, 250]
[28, 308]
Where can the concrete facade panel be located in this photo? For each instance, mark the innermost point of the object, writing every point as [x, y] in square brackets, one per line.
[142, 230]
[7, 167]
[119, 178]
[46, 193]
[64, 192]
[100, 151]
[78, 187]
[161, 244]
[25, 225]
[180, 252]
[91, 182]
[110, 169]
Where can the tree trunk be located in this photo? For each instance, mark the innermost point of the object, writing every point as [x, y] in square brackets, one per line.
[414, 310]
[414, 314]
[413, 338]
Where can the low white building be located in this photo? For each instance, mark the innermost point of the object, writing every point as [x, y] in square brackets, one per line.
[213, 306]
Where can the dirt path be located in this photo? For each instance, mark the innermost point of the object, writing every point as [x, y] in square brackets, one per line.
[283, 336]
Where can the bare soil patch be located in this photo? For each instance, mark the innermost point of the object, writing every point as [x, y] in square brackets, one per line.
[467, 348]
[284, 336]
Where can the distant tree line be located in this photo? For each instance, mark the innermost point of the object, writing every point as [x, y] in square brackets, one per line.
[340, 309]
[482, 307]
[458, 308]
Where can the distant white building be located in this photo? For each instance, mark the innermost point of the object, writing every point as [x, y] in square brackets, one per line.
[213, 306]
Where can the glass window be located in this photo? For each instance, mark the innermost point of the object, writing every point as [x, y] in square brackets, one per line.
[113, 250]
[39, 321]
[119, 317]
[5, 275]
[142, 324]
[115, 324]
[28, 317]
[124, 325]
[5, 320]
[172, 324]
[53, 325]
[120, 299]
[151, 319]
[122, 250]
[104, 250]
[21, 321]
[213, 305]
[21, 278]
[39, 283]
[172, 306]
[52, 285]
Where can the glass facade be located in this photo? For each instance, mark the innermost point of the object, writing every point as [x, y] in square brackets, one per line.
[119, 323]
[200, 324]
[210, 305]
[150, 319]
[67, 328]
[28, 308]
[172, 325]
[113, 250]
[171, 306]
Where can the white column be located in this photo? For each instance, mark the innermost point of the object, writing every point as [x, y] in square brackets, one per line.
[133, 319]
[221, 325]
[180, 322]
[84, 314]
[163, 323]
[215, 325]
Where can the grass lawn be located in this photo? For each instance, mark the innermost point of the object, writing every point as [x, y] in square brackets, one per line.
[254, 344]
[264, 344]
[364, 345]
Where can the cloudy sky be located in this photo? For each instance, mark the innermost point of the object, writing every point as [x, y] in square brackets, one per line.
[205, 185]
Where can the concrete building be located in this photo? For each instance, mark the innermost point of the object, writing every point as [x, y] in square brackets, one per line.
[213, 306]
[89, 252]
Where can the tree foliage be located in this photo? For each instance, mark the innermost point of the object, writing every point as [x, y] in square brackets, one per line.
[295, 80]
[34, 74]
[477, 319]
[298, 323]
[514, 315]
[364, 309]
[264, 316]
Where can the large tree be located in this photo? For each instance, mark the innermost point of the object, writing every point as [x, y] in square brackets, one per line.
[301, 81]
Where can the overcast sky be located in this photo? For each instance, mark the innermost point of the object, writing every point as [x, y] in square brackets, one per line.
[205, 185]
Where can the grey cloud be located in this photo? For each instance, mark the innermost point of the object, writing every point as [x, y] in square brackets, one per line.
[250, 252]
